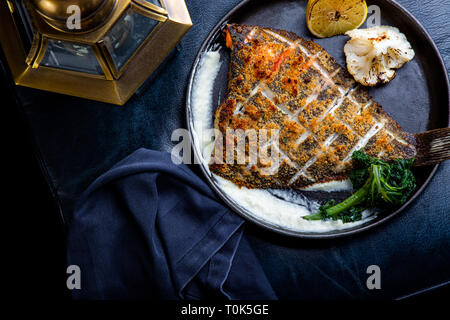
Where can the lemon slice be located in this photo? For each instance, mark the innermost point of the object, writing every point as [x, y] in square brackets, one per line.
[327, 18]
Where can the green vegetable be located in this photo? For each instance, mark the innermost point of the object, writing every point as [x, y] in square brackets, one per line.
[348, 215]
[380, 185]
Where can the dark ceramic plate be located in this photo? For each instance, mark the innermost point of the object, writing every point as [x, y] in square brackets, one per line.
[418, 98]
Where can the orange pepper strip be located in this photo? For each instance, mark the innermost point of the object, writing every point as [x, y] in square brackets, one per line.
[280, 59]
[228, 41]
[308, 64]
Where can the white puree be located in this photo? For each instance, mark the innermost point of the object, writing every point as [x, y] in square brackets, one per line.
[285, 209]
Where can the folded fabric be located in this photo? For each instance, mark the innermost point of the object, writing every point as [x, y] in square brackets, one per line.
[150, 229]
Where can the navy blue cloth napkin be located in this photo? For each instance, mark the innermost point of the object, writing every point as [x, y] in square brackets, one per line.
[148, 228]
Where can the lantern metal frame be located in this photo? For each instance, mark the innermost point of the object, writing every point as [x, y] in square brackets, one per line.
[114, 85]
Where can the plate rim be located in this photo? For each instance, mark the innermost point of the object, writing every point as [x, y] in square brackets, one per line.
[270, 226]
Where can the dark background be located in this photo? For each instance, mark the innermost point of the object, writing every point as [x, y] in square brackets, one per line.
[34, 233]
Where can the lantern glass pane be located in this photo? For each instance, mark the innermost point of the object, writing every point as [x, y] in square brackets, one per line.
[126, 36]
[71, 56]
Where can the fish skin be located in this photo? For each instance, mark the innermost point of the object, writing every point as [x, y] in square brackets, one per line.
[280, 81]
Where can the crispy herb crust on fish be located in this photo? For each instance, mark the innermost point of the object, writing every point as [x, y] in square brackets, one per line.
[280, 81]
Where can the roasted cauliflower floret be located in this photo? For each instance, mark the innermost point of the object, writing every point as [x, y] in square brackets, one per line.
[373, 54]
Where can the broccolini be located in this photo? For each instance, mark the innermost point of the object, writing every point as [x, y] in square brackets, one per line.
[380, 184]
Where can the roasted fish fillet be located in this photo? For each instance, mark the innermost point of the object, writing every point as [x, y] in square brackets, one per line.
[280, 81]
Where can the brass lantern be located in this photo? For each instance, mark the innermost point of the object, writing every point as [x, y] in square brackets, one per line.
[107, 56]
